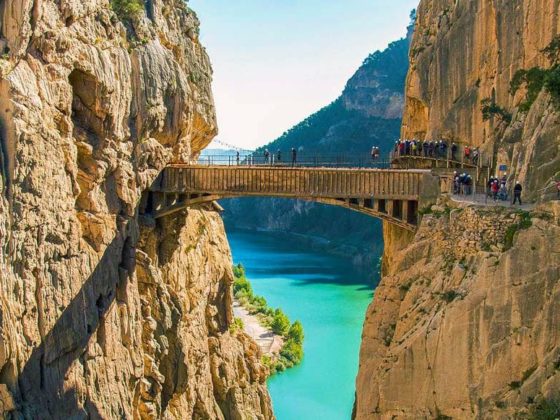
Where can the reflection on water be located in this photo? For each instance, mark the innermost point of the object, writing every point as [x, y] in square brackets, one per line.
[330, 298]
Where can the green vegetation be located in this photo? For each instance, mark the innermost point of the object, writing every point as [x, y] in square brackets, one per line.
[236, 325]
[536, 78]
[450, 296]
[546, 410]
[291, 353]
[490, 109]
[127, 9]
[524, 223]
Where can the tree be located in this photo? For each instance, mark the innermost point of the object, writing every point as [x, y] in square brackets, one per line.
[296, 332]
[280, 323]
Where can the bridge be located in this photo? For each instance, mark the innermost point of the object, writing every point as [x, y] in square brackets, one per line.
[389, 194]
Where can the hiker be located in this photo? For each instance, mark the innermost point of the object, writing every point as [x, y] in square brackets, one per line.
[517, 193]
[467, 153]
[373, 153]
[279, 156]
[266, 156]
[453, 151]
[294, 156]
[425, 148]
[495, 189]
[503, 193]
[475, 155]
[237, 157]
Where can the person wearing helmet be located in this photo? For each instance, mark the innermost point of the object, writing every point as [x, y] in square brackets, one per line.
[517, 193]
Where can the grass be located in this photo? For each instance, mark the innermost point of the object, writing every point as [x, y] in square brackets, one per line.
[546, 410]
[291, 352]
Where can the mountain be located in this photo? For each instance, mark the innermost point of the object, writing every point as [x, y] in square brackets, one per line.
[367, 113]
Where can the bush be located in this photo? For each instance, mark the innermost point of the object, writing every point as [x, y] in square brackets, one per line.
[546, 410]
[236, 325]
[450, 296]
[490, 108]
[280, 323]
[534, 79]
[292, 352]
[127, 9]
[296, 332]
[552, 84]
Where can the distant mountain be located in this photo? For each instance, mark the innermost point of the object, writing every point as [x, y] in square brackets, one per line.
[367, 113]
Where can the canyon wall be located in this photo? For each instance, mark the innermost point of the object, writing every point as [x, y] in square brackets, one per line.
[104, 311]
[465, 321]
[465, 52]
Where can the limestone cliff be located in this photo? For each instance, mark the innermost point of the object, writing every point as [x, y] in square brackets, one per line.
[465, 323]
[105, 312]
[467, 51]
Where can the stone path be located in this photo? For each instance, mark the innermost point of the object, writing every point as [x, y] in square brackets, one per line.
[269, 342]
[484, 200]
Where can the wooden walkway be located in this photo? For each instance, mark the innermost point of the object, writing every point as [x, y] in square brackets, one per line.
[392, 195]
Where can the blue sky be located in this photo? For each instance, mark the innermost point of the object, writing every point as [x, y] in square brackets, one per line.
[277, 61]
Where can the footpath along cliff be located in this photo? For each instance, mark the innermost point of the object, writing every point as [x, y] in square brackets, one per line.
[466, 321]
[103, 311]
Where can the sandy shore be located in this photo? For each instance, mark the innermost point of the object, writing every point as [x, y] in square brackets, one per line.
[269, 342]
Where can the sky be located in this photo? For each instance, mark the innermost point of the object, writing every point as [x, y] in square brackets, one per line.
[278, 61]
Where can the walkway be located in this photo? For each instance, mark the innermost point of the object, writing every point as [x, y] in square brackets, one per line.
[389, 194]
[269, 342]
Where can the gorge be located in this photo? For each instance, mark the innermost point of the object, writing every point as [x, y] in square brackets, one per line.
[107, 312]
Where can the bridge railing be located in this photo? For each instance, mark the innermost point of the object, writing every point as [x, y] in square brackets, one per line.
[294, 182]
[301, 160]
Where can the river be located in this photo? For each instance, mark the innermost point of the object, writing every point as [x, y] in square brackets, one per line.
[330, 298]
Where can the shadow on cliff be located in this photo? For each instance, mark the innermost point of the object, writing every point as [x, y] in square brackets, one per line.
[42, 389]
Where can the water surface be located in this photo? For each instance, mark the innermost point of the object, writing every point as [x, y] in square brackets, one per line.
[330, 298]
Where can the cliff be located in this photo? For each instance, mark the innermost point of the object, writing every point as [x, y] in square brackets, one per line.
[464, 57]
[367, 113]
[104, 311]
[465, 321]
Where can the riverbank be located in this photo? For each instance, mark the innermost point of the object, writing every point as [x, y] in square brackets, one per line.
[269, 343]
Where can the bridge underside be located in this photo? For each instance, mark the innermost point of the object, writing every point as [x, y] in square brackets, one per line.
[403, 213]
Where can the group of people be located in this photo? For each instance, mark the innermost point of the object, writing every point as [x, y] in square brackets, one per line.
[497, 189]
[462, 183]
[438, 149]
[271, 158]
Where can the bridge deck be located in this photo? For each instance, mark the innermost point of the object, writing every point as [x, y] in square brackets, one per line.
[294, 182]
[393, 195]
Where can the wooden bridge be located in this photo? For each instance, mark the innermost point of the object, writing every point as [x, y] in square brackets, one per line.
[391, 195]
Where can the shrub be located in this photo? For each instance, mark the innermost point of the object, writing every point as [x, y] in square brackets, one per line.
[296, 332]
[292, 352]
[236, 325]
[534, 79]
[552, 84]
[127, 9]
[552, 51]
[546, 410]
[490, 108]
[524, 223]
[450, 296]
[280, 323]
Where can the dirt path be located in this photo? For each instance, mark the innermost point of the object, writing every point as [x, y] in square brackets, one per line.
[269, 342]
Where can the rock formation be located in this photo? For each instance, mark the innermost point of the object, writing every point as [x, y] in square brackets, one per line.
[465, 54]
[104, 311]
[465, 323]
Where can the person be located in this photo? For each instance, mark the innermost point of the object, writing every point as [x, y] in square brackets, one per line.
[294, 156]
[475, 155]
[495, 189]
[266, 156]
[454, 152]
[467, 153]
[279, 156]
[558, 190]
[502, 193]
[425, 148]
[517, 193]
[373, 156]
[237, 157]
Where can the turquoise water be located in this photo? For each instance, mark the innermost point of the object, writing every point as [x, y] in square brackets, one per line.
[330, 299]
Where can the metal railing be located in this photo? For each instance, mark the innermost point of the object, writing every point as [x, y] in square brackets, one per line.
[301, 160]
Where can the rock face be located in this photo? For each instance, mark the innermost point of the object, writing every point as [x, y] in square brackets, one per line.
[104, 311]
[464, 52]
[465, 321]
